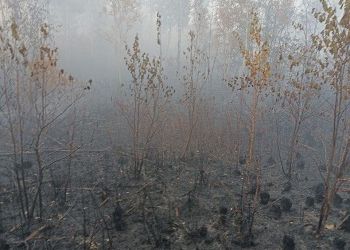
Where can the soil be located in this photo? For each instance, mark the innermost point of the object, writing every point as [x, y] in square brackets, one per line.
[176, 205]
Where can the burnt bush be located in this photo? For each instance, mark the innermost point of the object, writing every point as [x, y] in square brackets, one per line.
[275, 212]
[345, 225]
[242, 160]
[264, 198]
[337, 201]
[288, 243]
[118, 218]
[237, 172]
[4, 245]
[271, 161]
[286, 204]
[339, 243]
[223, 215]
[287, 187]
[309, 202]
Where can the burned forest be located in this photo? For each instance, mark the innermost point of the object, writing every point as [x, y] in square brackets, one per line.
[175, 124]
